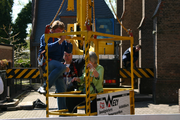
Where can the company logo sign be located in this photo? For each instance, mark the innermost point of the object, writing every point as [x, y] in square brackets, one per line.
[113, 103]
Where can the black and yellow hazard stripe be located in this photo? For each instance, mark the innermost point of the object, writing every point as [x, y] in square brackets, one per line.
[87, 78]
[22, 73]
[137, 73]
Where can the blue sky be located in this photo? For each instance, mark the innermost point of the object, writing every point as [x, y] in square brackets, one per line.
[18, 5]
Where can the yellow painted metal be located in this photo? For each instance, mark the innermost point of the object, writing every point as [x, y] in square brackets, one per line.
[87, 78]
[78, 11]
[74, 40]
[69, 95]
[16, 71]
[64, 112]
[80, 107]
[35, 76]
[146, 75]
[94, 23]
[82, 14]
[152, 73]
[27, 76]
[96, 49]
[71, 92]
[70, 6]
[9, 76]
[46, 69]
[132, 105]
[66, 95]
[135, 72]
[132, 78]
[71, 114]
[107, 39]
[122, 74]
[69, 27]
[23, 73]
[88, 38]
[116, 89]
[106, 47]
[129, 73]
[8, 70]
[113, 37]
[89, 10]
[57, 35]
[138, 73]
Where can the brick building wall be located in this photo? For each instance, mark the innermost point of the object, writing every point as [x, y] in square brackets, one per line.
[168, 41]
[167, 49]
[131, 15]
[147, 52]
[161, 53]
[146, 40]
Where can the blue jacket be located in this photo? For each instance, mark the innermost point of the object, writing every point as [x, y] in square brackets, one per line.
[55, 50]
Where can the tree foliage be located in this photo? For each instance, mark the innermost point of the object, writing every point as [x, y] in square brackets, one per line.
[18, 29]
[24, 18]
[14, 34]
[5, 21]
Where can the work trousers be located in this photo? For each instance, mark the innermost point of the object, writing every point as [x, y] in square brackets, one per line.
[56, 70]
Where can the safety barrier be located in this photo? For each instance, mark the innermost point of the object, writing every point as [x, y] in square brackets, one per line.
[22, 73]
[137, 73]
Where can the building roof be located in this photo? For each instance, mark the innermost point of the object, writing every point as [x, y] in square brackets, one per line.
[46, 11]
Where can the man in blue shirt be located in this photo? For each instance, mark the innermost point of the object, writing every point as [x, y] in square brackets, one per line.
[56, 48]
[126, 56]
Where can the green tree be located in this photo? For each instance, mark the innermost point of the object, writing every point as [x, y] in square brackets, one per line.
[5, 19]
[24, 18]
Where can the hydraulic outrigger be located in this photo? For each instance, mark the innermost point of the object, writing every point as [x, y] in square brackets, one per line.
[83, 21]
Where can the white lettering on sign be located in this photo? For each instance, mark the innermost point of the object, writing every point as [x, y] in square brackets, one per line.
[113, 103]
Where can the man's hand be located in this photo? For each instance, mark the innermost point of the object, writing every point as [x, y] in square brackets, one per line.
[67, 69]
[90, 66]
[93, 70]
[76, 79]
[62, 39]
